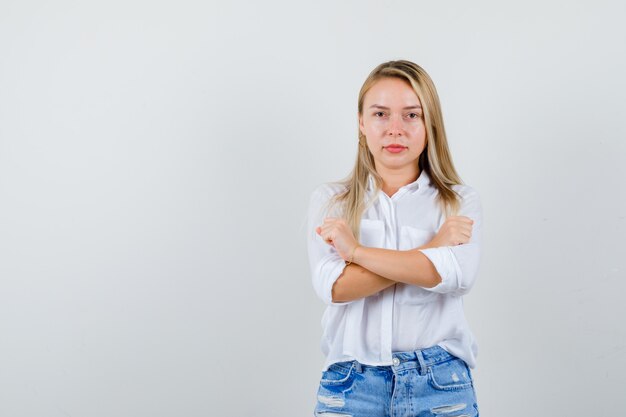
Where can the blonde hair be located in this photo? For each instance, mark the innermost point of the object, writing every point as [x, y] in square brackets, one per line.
[435, 159]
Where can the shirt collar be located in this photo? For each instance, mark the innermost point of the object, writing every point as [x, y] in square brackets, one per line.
[422, 181]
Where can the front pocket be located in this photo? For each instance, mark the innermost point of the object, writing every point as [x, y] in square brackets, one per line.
[452, 375]
[414, 237]
[338, 374]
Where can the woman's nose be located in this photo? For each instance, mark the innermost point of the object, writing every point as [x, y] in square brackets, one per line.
[395, 125]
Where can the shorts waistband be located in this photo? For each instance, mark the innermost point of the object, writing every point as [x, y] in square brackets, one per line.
[426, 357]
[420, 359]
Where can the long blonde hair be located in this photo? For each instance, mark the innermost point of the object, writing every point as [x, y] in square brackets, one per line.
[435, 159]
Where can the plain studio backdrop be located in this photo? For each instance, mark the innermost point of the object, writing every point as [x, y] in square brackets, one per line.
[156, 161]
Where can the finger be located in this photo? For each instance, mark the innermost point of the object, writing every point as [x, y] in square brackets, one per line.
[326, 229]
[466, 235]
[459, 227]
[462, 220]
[335, 221]
[466, 231]
[326, 234]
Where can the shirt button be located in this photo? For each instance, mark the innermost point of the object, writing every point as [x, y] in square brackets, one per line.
[396, 361]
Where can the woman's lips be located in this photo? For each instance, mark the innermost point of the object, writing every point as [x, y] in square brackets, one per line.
[395, 149]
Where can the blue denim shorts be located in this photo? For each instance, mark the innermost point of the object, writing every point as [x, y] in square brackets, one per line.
[425, 382]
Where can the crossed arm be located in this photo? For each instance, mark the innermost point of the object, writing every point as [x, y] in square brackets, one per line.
[357, 281]
[442, 269]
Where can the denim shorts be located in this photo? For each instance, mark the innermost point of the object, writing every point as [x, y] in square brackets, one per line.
[425, 382]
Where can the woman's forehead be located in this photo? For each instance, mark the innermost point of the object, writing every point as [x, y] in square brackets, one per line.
[392, 92]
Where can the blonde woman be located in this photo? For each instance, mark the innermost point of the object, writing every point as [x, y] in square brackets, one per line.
[392, 249]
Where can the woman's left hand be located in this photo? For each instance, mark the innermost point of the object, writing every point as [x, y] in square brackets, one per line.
[336, 232]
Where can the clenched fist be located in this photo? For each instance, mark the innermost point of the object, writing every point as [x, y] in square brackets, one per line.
[456, 230]
[336, 232]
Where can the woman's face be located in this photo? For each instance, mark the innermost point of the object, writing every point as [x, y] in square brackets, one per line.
[392, 115]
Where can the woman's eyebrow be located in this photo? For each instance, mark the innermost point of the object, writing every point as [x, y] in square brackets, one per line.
[378, 106]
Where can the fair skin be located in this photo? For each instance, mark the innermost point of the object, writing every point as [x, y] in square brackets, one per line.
[392, 115]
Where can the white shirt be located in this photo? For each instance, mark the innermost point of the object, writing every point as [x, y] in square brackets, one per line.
[402, 317]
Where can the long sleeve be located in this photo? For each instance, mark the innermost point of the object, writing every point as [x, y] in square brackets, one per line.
[458, 265]
[325, 263]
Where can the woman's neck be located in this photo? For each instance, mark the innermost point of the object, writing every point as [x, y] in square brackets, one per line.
[392, 181]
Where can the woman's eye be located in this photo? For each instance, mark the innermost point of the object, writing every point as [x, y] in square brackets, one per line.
[379, 113]
[414, 116]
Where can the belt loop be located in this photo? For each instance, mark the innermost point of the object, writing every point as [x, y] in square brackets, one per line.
[422, 362]
[357, 366]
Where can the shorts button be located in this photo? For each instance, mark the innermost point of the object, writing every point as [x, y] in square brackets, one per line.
[396, 361]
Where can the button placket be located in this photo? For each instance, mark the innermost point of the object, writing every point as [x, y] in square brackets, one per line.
[386, 333]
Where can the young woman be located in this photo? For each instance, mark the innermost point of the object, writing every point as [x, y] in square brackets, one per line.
[392, 250]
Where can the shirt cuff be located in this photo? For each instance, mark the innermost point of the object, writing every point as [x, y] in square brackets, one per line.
[335, 272]
[446, 265]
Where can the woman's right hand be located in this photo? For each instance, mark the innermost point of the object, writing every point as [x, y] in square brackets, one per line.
[456, 230]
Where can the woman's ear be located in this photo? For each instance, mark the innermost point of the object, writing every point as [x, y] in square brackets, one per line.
[361, 127]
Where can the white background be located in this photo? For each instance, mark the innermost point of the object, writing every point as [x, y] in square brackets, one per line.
[156, 160]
